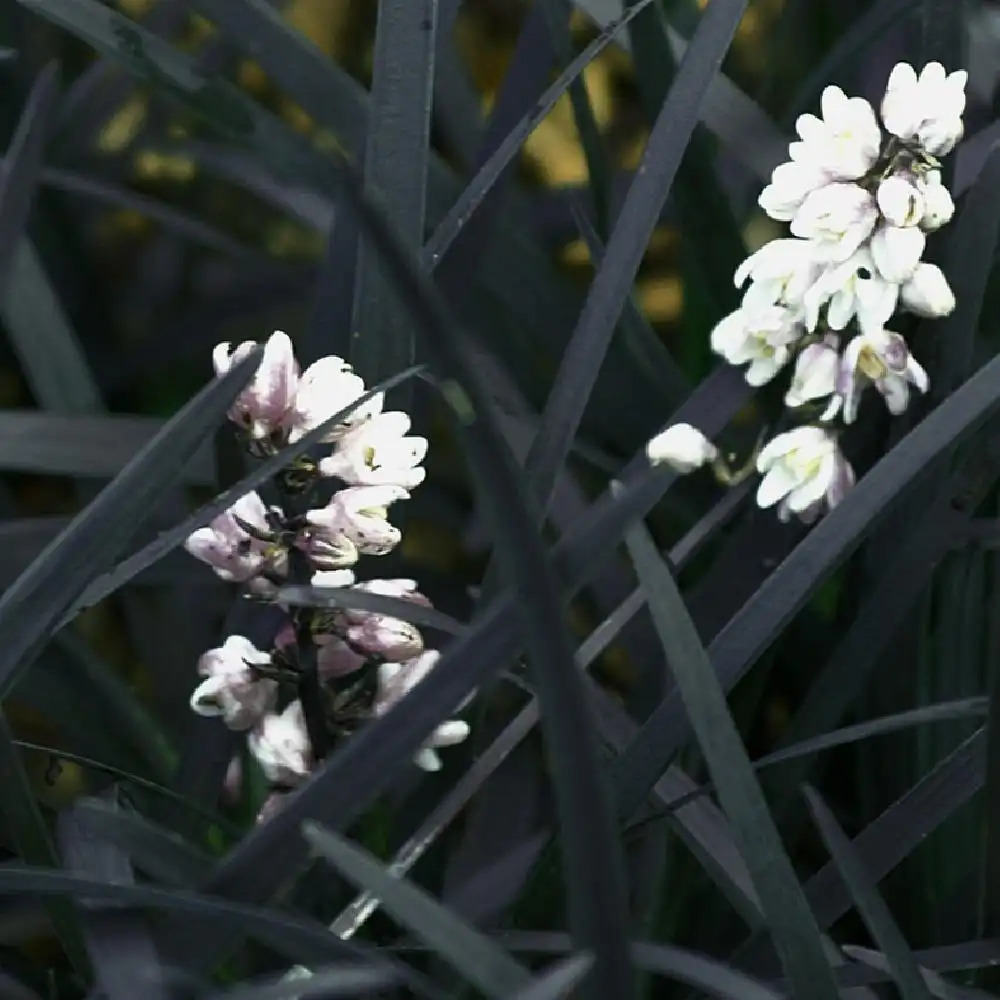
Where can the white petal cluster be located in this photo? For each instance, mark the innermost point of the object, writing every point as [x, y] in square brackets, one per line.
[334, 509]
[860, 193]
[802, 470]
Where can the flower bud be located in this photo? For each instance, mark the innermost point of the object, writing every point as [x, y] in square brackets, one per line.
[683, 447]
[900, 202]
[897, 251]
[815, 372]
[928, 293]
[938, 206]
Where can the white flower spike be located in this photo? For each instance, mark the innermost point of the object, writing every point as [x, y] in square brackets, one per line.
[683, 447]
[803, 469]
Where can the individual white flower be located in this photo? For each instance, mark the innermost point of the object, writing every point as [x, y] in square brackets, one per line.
[938, 204]
[763, 338]
[816, 370]
[802, 469]
[853, 288]
[280, 744]
[881, 359]
[897, 251]
[683, 447]
[379, 453]
[790, 184]
[234, 554]
[398, 679]
[927, 108]
[231, 688]
[360, 514]
[326, 387]
[901, 202]
[380, 635]
[263, 406]
[927, 293]
[845, 142]
[780, 271]
[327, 552]
[838, 218]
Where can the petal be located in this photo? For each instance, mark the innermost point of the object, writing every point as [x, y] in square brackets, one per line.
[776, 484]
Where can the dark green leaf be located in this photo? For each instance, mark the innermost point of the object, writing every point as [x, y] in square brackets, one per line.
[968, 261]
[69, 563]
[22, 167]
[300, 939]
[380, 604]
[34, 845]
[789, 918]
[119, 943]
[870, 904]
[396, 158]
[84, 446]
[477, 958]
[324, 982]
[558, 981]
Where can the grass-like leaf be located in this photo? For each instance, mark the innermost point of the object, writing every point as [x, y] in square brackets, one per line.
[968, 260]
[130, 567]
[304, 596]
[23, 164]
[396, 158]
[300, 939]
[749, 633]
[886, 841]
[789, 918]
[492, 757]
[636, 220]
[118, 943]
[68, 564]
[592, 853]
[162, 854]
[89, 447]
[34, 845]
[477, 958]
[870, 904]
[728, 113]
[557, 982]
[324, 983]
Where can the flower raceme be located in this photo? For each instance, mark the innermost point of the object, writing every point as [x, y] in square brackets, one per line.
[860, 193]
[364, 661]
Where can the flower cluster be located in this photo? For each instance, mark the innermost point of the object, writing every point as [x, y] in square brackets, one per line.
[330, 511]
[860, 198]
